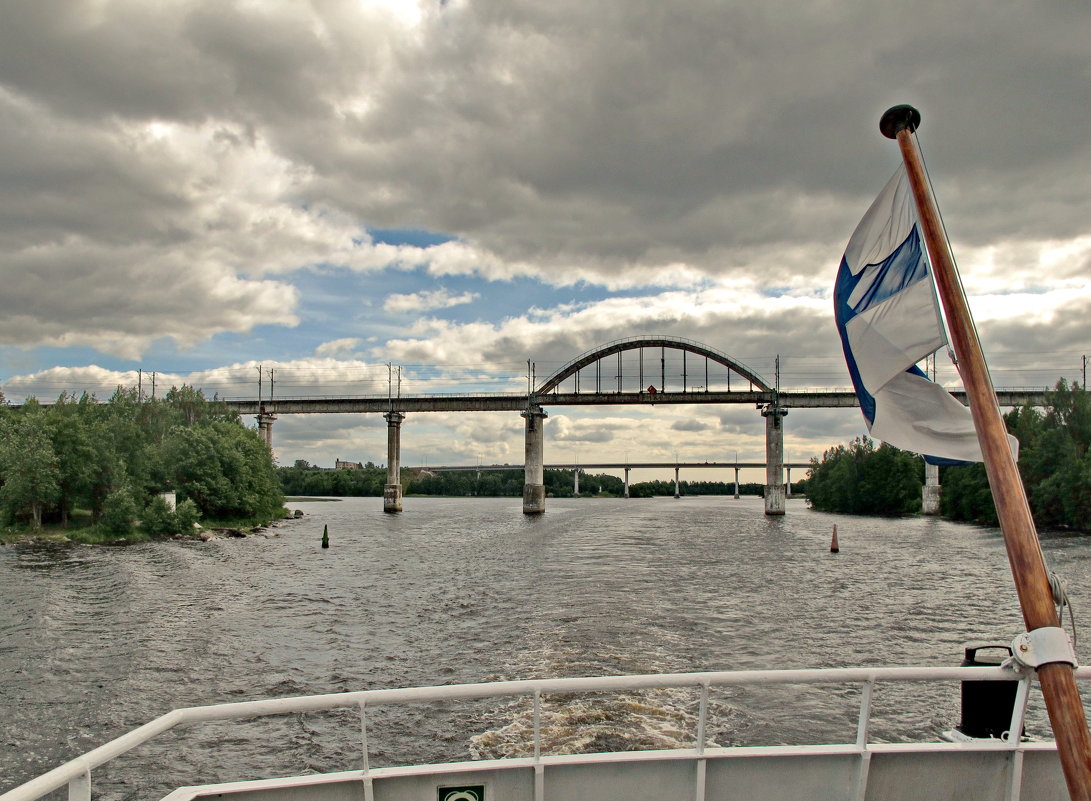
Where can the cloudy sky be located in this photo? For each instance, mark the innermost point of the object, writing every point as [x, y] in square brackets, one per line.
[195, 189]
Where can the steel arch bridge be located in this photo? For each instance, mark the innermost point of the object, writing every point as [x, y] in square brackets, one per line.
[638, 345]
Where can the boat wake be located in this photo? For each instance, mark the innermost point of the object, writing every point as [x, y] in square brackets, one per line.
[652, 720]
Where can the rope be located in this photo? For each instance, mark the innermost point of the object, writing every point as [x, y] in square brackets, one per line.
[1059, 588]
[947, 239]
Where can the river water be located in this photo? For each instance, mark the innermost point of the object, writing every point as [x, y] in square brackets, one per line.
[95, 641]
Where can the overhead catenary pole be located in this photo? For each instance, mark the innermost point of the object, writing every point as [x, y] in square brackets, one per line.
[1028, 566]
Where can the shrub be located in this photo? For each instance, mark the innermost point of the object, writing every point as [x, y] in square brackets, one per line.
[158, 519]
[119, 512]
[186, 515]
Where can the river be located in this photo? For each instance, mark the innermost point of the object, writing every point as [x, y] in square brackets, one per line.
[95, 641]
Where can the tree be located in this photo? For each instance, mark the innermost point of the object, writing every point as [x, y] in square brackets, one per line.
[119, 511]
[113, 458]
[1054, 463]
[159, 520]
[69, 423]
[29, 466]
[224, 468]
[966, 495]
[863, 479]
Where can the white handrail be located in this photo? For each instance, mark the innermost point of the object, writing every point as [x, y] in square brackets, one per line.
[80, 767]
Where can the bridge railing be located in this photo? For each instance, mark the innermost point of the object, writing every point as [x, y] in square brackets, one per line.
[372, 397]
[826, 390]
[77, 772]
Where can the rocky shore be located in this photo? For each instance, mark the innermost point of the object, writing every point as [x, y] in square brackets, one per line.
[215, 533]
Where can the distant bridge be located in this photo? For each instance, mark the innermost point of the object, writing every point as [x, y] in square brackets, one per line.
[612, 466]
[627, 466]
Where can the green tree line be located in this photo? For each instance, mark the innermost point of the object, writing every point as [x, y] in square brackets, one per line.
[650, 489]
[302, 479]
[862, 479]
[105, 464]
[1054, 462]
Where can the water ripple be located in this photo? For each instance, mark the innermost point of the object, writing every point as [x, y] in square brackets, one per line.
[94, 641]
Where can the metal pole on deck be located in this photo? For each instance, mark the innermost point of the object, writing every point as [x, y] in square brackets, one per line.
[1028, 567]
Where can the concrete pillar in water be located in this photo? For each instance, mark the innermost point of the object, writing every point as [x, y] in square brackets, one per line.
[736, 483]
[788, 482]
[626, 482]
[932, 490]
[392, 491]
[534, 462]
[774, 459]
[575, 480]
[677, 486]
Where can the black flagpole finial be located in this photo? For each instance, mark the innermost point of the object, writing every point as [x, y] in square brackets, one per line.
[897, 118]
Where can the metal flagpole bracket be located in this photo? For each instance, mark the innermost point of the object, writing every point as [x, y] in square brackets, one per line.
[1032, 649]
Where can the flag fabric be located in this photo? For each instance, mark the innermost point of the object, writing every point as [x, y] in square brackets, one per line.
[888, 317]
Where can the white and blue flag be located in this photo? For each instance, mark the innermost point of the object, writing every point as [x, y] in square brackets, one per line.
[888, 316]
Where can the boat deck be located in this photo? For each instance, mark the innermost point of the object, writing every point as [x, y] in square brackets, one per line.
[860, 770]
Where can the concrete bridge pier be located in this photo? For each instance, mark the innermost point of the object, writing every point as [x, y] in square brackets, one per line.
[265, 427]
[932, 490]
[774, 459]
[788, 482]
[736, 483]
[677, 486]
[534, 462]
[392, 491]
[626, 482]
[575, 480]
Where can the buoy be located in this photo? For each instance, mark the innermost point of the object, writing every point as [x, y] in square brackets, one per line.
[833, 542]
[326, 536]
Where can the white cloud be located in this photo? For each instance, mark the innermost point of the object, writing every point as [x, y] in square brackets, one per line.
[175, 172]
[426, 301]
[304, 377]
[737, 317]
[338, 347]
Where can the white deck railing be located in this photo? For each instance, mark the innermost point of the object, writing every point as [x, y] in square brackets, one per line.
[77, 772]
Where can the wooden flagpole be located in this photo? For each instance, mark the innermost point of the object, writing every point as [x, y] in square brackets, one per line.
[1028, 567]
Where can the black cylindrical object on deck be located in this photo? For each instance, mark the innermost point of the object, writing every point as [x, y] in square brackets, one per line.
[986, 705]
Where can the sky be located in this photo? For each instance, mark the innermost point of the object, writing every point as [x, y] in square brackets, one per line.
[209, 191]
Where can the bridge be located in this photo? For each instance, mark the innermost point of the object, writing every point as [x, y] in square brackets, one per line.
[644, 371]
[627, 466]
[515, 402]
[631, 371]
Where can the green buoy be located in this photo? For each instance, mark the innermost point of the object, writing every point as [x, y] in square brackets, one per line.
[326, 536]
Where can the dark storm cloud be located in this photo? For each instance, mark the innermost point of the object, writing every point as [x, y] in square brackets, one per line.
[622, 143]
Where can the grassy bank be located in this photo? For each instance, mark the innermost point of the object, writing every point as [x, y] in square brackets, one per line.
[80, 529]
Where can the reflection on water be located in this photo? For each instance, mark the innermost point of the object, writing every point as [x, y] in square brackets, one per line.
[95, 641]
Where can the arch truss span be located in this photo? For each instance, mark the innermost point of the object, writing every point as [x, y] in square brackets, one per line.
[653, 364]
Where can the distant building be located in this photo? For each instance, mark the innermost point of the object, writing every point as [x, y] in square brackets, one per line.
[339, 465]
